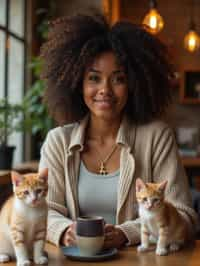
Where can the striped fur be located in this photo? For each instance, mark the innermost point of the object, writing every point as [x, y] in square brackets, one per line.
[23, 220]
[159, 219]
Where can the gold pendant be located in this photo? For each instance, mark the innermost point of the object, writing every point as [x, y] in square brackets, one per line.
[103, 170]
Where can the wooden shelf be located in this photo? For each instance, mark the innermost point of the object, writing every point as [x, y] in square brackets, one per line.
[191, 161]
[190, 101]
[27, 167]
[5, 177]
[23, 168]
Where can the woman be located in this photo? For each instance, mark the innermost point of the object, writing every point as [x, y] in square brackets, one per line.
[113, 83]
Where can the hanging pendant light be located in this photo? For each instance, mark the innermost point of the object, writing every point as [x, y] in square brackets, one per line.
[192, 39]
[153, 19]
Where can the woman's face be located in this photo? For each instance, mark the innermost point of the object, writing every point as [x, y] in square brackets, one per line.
[105, 88]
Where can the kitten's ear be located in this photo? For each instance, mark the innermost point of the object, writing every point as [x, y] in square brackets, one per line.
[162, 186]
[139, 184]
[43, 174]
[16, 178]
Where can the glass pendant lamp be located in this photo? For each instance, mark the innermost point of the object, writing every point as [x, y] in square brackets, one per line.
[192, 39]
[153, 19]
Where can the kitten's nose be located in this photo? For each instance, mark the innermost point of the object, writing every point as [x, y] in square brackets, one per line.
[149, 205]
[34, 199]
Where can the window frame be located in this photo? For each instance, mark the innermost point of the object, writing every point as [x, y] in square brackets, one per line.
[23, 40]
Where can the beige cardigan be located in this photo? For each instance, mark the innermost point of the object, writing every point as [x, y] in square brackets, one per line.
[147, 151]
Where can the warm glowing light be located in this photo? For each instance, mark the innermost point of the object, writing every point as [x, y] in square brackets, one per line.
[154, 21]
[192, 41]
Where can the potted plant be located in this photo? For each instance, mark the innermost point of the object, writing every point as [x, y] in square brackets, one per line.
[36, 117]
[11, 120]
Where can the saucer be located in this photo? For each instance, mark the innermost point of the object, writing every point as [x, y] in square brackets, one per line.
[73, 253]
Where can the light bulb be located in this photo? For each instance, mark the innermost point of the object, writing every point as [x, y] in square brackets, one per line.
[192, 41]
[154, 21]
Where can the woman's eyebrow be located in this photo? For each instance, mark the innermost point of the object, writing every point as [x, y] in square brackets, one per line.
[98, 71]
[118, 71]
[93, 70]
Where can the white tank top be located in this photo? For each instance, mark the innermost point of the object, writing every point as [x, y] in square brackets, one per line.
[97, 194]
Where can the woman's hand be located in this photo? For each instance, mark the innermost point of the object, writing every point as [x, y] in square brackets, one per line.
[114, 237]
[69, 236]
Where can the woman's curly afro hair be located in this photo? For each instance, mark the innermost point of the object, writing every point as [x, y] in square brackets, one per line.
[75, 41]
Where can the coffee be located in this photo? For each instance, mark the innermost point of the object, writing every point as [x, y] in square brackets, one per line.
[90, 234]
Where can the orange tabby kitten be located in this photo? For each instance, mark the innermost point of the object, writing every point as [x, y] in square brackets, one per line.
[160, 220]
[23, 220]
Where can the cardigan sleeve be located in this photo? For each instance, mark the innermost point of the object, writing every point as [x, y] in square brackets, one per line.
[166, 165]
[52, 158]
[131, 229]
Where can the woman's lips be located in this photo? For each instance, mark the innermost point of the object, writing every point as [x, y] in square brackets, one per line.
[104, 103]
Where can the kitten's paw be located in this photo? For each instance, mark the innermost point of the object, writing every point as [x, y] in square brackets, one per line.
[174, 247]
[24, 263]
[4, 258]
[161, 251]
[142, 248]
[41, 260]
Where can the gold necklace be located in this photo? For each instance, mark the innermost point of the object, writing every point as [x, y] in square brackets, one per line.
[102, 169]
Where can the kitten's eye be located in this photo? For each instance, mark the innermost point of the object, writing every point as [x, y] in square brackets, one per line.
[38, 191]
[26, 192]
[156, 200]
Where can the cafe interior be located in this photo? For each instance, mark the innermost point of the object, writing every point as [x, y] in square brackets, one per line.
[24, 119]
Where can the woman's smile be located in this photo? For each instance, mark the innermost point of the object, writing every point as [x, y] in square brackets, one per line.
[104, 103]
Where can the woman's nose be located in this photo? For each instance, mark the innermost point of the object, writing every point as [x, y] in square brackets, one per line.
[106, 87]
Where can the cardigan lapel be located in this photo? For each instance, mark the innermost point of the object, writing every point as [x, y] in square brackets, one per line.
[125, 137]
[127, 169]
[73, 162]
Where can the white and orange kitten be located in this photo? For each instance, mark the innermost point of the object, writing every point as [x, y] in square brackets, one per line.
[23, 219]
[160, 220]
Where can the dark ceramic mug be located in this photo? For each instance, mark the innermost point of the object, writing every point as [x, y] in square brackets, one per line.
[90, 234]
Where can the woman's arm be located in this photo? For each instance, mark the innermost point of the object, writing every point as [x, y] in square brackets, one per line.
[127, 233]
[52, 157]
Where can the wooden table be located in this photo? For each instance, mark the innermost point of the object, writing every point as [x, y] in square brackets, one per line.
[130, 257]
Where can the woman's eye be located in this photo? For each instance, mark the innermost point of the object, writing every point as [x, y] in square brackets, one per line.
[26, 192]
[94, 78]
[119, 80]
[144, 199]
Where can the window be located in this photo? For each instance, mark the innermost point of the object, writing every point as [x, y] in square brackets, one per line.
[13, 59]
